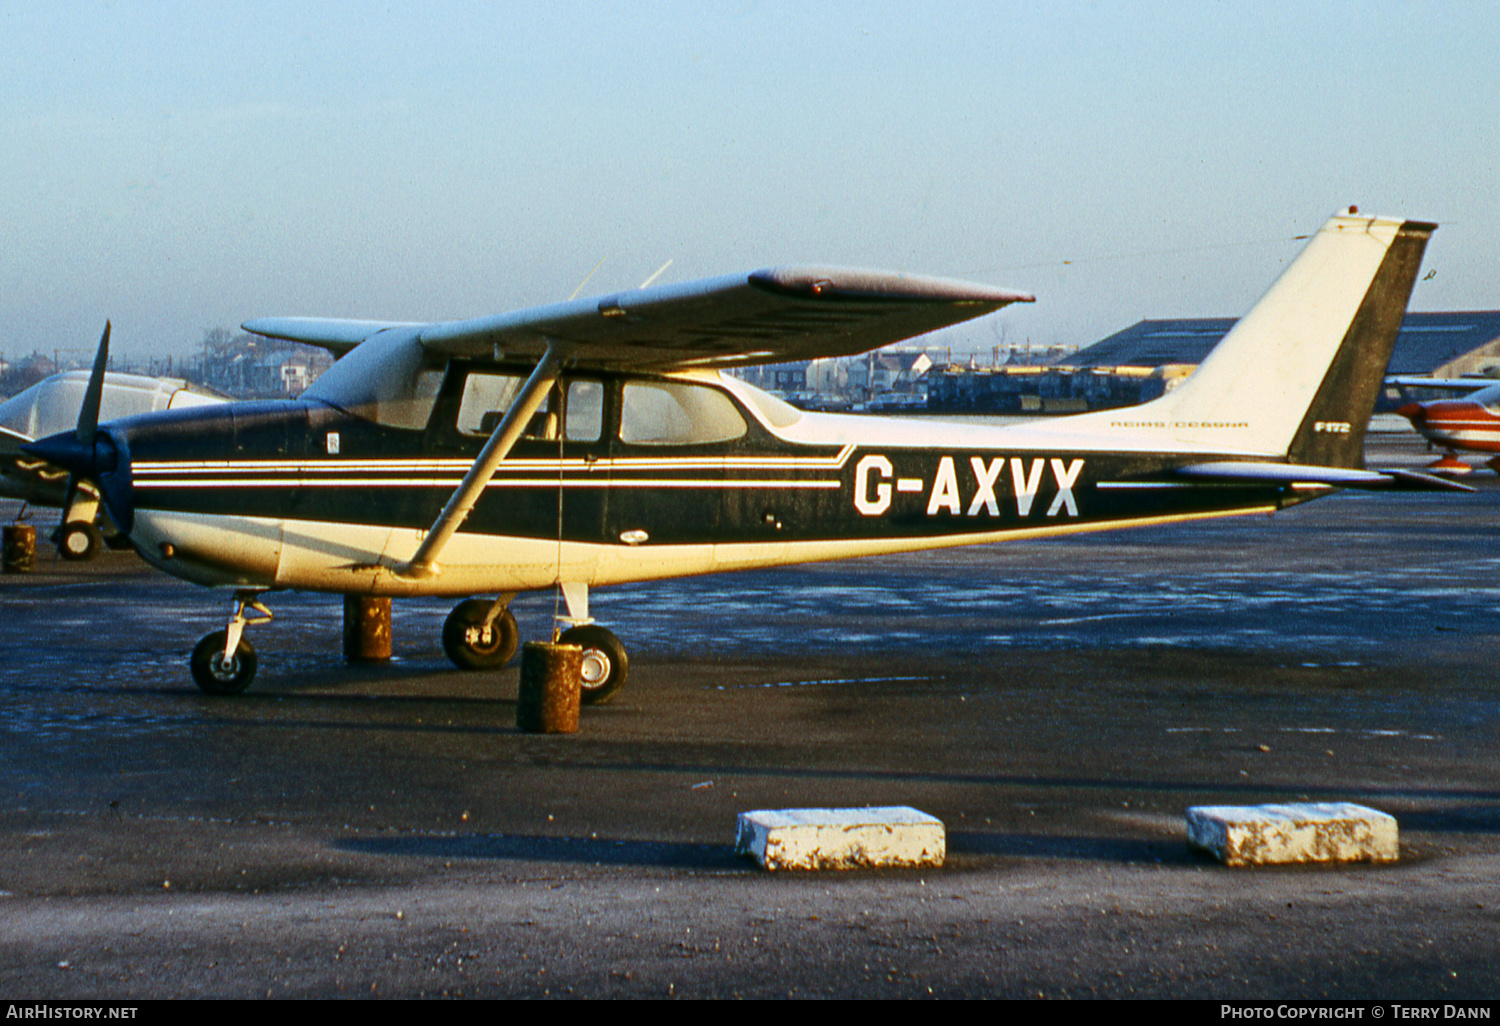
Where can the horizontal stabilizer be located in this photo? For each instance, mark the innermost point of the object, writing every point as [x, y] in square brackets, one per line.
[1416, 481]
[1236, 472]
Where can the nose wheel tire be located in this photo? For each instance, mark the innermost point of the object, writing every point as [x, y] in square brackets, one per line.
[605, 664]
[471, 645]
[213, 674]
[78, 541]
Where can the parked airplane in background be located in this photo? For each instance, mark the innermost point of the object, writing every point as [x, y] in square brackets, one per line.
[1468, 423]
[52, 405]
[596, 441]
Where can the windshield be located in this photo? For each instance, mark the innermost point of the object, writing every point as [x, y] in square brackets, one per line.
[1488, 398]
[52, 405]
[384, 379]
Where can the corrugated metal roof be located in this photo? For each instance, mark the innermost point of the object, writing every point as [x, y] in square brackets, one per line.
[1427, 341]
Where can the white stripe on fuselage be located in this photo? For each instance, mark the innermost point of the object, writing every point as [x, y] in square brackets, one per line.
[835, 461]
[498, 483]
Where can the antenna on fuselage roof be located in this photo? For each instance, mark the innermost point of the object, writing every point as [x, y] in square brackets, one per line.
[586, 278]
[657, 275]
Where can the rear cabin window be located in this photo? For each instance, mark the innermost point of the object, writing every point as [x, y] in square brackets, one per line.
[676, 413]
[487, 397]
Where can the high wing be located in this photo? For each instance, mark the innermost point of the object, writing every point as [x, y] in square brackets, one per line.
[330, 333]
[768, 316]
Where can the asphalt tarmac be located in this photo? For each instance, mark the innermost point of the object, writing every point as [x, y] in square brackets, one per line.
[385, 831]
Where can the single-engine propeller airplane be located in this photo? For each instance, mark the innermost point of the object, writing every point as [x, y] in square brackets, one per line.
[1468, 423]
[596, 441]
[50, 406]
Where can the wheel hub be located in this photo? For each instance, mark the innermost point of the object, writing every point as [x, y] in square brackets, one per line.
[595, 667]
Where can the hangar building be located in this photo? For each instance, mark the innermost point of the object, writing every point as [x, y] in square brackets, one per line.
[1149, 357]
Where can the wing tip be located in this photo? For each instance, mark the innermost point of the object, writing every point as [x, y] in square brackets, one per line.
[854, 283]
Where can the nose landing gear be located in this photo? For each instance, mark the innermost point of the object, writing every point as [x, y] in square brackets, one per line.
[223, 662]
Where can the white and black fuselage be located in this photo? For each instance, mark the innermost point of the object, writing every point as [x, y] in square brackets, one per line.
[312, 497]
[596, 442]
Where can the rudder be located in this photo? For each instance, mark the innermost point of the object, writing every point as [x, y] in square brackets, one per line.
[1332, 433]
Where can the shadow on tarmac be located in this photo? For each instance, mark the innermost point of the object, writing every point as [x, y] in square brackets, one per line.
[721, 858]
[574, 850]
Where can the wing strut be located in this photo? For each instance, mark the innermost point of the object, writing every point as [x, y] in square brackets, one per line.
[423, 562]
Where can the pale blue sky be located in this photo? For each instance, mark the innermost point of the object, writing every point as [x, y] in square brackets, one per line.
[181, 166]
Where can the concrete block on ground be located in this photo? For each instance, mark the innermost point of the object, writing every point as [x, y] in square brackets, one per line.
[841, 838]
[1262, 835]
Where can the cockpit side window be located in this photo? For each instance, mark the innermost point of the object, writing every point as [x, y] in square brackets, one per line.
[487, 395]
[486, 398]
[677, 413]
[585, 410]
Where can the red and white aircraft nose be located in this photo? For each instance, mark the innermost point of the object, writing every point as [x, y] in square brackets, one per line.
[1414, 412]
[1455, 424]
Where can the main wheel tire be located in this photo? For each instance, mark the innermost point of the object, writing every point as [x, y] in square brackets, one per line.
[473, 647]
[605, 664]
[78, 541]
[217, 677]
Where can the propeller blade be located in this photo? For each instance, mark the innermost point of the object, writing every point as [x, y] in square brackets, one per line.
[88, 414]
[82, 503]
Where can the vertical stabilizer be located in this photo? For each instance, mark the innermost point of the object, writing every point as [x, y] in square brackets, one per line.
[1332, 432]
[1298, 375]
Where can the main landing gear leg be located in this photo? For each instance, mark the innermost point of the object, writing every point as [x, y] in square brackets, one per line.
[481, 634]
[605, 663]
[223, 662]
